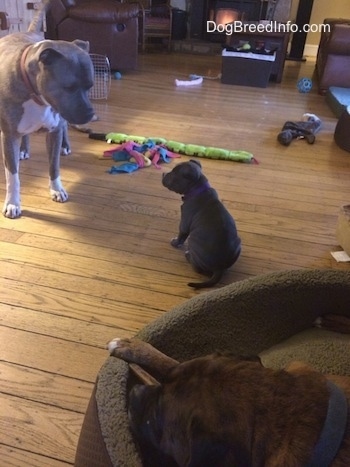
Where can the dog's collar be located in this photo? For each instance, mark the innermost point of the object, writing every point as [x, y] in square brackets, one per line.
[37, 98]
[196, 191]
[333, 428]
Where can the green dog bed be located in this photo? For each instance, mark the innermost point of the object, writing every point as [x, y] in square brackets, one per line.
[271, 315]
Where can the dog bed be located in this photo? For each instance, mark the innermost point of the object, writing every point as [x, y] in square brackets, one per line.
[338, 99]
[271, 315]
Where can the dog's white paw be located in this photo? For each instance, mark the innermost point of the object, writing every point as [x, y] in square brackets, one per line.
[113, 344]
[117, 343]
[57, 191]
[12, 211]
[65, 151]
[61, 196]
[23, 155]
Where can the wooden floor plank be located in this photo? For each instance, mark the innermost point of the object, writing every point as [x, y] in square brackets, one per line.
[85, 308]
[13, 457]
[50, 324]
[51, 355]
[25, 425]
[44, 387]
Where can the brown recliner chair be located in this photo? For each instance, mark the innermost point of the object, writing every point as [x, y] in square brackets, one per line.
[333, 56]
[110, 26]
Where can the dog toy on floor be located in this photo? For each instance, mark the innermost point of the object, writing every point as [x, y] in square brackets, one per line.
[305, 129]
[138, 155]
[304, 85]
[192, 150]
[195, 80]
[189, 82]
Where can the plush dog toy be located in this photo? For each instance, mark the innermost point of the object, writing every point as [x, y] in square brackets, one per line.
[305, 129]
[179, 148]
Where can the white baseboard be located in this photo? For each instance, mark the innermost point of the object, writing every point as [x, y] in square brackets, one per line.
[310, 50]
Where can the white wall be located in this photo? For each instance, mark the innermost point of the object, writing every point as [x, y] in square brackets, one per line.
[322, 9]
[19, 15]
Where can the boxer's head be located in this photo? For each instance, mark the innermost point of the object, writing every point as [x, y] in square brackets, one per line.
[192, 416]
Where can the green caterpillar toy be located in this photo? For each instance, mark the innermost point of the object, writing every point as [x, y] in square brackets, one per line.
[181, 148]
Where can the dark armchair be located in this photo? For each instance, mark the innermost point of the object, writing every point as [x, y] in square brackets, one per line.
[110, 26]
[155, 20]
[333, 56]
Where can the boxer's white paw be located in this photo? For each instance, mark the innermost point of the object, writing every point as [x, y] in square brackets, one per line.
[113, 344]
[57, 191]
[12, 211]
[117, 343]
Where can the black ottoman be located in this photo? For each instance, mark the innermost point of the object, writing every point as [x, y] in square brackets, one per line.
[342, 130]
[338, 99]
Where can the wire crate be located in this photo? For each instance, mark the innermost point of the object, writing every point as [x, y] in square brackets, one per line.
[102, 77]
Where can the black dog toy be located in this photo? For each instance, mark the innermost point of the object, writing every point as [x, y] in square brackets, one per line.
[305, 129]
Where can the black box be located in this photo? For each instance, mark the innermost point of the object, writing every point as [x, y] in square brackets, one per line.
[179, 24]
[246, 69]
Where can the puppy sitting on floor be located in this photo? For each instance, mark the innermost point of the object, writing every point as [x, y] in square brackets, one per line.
[213, 243]
[225, 411]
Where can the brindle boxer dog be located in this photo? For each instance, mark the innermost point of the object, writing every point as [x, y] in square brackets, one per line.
[213, 243]
[225, 411]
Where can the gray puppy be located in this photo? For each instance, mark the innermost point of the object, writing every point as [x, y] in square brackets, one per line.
[43, 84]
[213, 242]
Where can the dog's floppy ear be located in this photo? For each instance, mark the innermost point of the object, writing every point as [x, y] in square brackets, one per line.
[84, 45]
[195, 162]
[192, 170]
[143, 412]
[49, 55]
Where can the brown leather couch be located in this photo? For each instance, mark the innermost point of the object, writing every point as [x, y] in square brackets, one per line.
[333, 56]
[110, 26]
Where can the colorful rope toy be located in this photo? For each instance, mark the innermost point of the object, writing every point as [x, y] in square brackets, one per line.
[176, 148]
[138, 155]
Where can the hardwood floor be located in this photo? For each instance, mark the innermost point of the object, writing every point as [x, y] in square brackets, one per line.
[75, 275]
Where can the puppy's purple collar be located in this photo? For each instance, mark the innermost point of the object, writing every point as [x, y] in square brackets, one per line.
[196, 191]
[37, 98]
